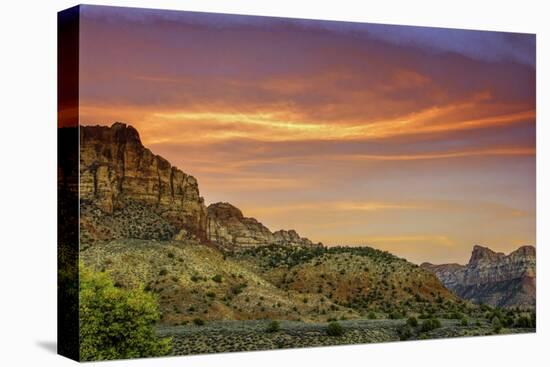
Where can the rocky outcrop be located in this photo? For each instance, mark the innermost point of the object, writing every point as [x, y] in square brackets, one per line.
[227, 227]
[291, 238]
[117, 171]
[492, 277]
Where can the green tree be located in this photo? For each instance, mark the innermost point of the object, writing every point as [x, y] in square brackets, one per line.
[116, 323]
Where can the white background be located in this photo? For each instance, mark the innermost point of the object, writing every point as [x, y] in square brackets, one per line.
[28, 182]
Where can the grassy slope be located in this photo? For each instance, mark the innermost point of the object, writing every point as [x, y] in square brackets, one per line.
[269, 283]
[181, 274]
[363, 279]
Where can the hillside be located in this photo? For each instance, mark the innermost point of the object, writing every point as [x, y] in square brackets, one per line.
[360, 278]
[275, 282]
[196, 281]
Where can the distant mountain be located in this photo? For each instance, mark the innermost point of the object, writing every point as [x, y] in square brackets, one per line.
[492, 278]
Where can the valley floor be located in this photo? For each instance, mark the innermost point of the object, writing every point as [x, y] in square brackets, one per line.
[233, 336]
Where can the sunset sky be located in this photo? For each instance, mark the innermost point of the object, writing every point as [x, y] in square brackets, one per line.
[419, 141]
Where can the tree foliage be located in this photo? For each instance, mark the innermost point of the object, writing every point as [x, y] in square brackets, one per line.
[116, 323]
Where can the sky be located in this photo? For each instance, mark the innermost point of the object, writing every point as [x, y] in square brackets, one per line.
[415, 140]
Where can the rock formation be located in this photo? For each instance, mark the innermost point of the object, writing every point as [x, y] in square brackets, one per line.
[492, 278]
[126, 191]
[231, 230]
[116, 170]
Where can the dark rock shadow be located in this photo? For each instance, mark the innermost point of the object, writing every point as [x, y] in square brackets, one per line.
[48, 345]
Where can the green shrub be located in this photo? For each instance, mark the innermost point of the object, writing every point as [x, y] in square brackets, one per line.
[371, 315]
[199, 322]
[116, 323]
[238, 289]
[273, 326]
[335, 329]
[464, 321]
[455, 315]
[217, 278]
[430, 324]
[497, 325]
[523, 322]
[404, 332]
[163, 272]
[395, 315]
[412, 321]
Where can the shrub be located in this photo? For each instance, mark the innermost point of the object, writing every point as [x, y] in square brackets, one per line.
[199, 322]
[211, 295]
[238, 289]
[116, 323]
[430, 324]
[335, 329]
[523, 322]
[163, 272]
[371, 315]
[217, 278]
[507, 321]
[404, 332]
[273, 326]
[464, 321]
[456, 315]
[412, 321]
[195, 278]
[395, 315]
[497, 325]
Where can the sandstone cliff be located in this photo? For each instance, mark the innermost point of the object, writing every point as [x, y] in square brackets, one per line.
[126, 191]
[227, 227]
[492, 278]
[117, 173]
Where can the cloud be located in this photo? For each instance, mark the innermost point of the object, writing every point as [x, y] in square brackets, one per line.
[479, 45]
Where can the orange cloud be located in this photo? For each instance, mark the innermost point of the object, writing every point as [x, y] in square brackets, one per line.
[173, 126]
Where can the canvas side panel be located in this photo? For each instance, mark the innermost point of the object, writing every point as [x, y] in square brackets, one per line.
[67, 183]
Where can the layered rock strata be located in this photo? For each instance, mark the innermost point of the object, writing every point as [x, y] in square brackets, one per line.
[492, 277]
